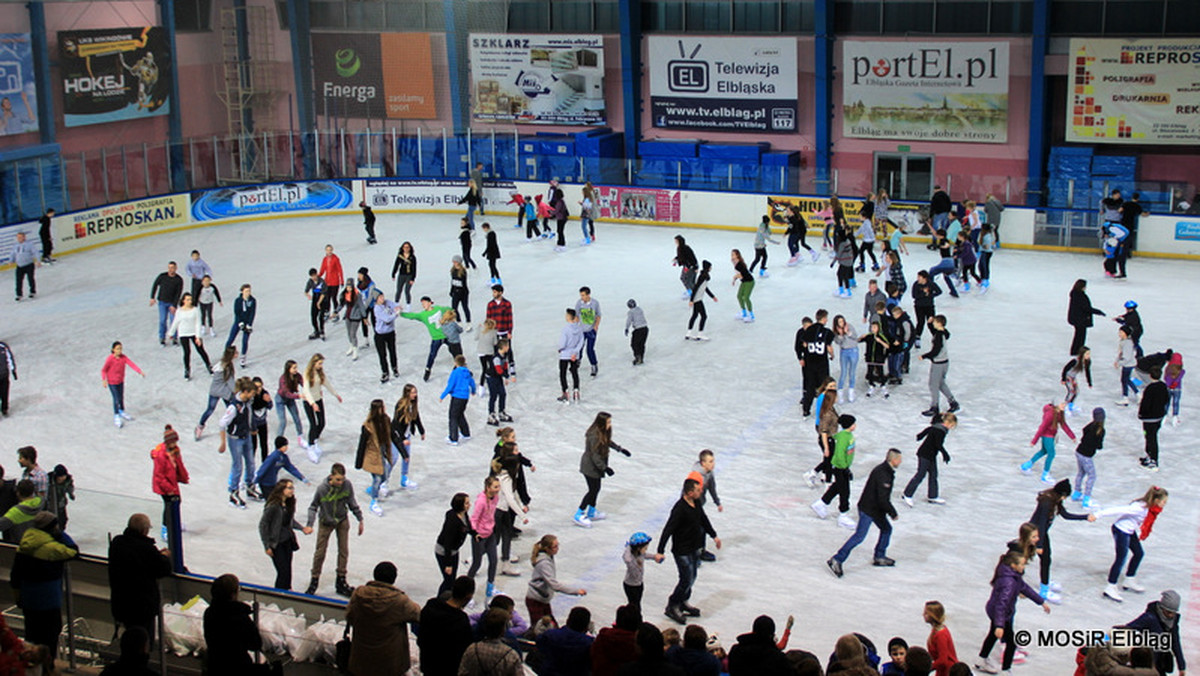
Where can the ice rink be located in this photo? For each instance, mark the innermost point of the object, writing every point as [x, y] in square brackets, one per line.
[736, 395]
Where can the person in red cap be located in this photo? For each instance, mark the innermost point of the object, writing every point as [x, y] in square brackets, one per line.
[169, 472]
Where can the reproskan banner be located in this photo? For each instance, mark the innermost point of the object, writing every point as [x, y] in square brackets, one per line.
[114, 74]
[1134, 91]
[925, 91]
[374, 75]
[116, 221]
[724, 84]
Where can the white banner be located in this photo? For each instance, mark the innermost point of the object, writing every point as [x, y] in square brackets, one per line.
[1134, 91]
[925, 91]
[723, 84]
[539, 79]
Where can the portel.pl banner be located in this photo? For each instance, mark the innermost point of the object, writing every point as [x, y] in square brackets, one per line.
[374, 75]
[538, 79]
[925, 91]
[114, 74]
[1134, 91]
[723, 84]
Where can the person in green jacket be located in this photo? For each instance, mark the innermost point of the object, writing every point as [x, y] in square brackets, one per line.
[843, 457]
[19, 517]
[431, 316]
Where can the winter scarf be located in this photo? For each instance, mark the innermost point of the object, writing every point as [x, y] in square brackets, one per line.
[1152, 513]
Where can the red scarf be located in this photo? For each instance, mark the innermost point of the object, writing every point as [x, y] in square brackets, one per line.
[1148, 524]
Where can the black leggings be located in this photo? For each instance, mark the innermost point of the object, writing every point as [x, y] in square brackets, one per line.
[480, 548]
[845, 273]
[1010, 648]
[458, 302]
[263, 450]
[562, 238]
[446, 561]
[1044, 557]
[633, 594]
[759, 255]
[531, 228]
[492, 268]
[593, 491]
[316, 313]
[867, 249]
[1079, 340]
[187, 342]
[206, 317]
[698, 311]
[385, 347]
[563, 366]
[466, 254]
[316, 420]
[985, 264]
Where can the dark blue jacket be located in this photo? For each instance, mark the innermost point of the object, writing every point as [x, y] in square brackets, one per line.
[1151, 621]
[268, 473]
[565, 652]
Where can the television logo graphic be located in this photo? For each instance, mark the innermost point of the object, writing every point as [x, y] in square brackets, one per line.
[687, 74]
[783, 119]
[379, 198]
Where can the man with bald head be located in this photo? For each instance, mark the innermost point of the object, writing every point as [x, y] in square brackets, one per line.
[135, 564]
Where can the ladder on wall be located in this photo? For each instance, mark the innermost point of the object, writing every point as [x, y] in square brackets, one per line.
[246, 86]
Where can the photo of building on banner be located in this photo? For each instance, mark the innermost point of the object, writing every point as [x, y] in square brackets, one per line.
[925, 91]
[18, 93]
[114, 74]
[537, 79]
[1134, 91]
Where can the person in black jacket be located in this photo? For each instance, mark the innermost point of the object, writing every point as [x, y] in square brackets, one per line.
[685, 258]
[445, 630]
[934, 442]
[756, 653]
[229, 630]
[491, 252]
[874, 506]
[924, 291]
[456, 526]
[8, 493]
[688, 525]
[368, 221]
[1079, 314]
[135, 655]
[166, 292]
[135, 565]
[1049, 505]
[1162, 617]
[1155, 399]
[814, 349]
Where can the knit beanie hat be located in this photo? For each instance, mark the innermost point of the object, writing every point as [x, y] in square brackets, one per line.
[1098, 414]
[363, 271]
[170, 436]
[1169, 601]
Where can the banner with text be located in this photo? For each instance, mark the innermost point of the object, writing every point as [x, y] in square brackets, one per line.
[270, 198]
[428, 194]
[538, 79]
[724, 84]
[1134, 91]
[114, 74]
[18, 92]
[374, 75]
[925, 91]
[639, 204]
[909, 217]
[117, 221]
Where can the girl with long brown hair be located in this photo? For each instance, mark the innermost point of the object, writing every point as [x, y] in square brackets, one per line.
[374, 440]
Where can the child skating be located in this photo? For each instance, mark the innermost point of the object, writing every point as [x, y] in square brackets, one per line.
[492, 252]
[696, 302]
[1133, 525]
[461, 387]
[1080, 364]
[744, 281]
[1173, 377]
[636, 319]
[1046, 434]
[594, 467]
[1050, 505]
[875, 351]
[939, 366]
[570, 348]
[933, 442]
[113, 376]
[761, 237]
[635, 558]
[1085, 454]
[840, 460]
[207, 295]
[1126, 361]
[497, 392]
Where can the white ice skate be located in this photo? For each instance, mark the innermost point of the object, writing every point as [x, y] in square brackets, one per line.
[314, 452]
[987, 666]
[691, 335]
[1132, 585]
[820, 508]
[1111, 592]
[118, 421]
[701, 336]
[850, 393]
[847, 521]
[794, 260]
[907, 500]
[811, 478]
[1174, 421]
[125, 415]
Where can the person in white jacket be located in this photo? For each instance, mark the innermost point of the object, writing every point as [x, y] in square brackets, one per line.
[544, 583]
[509, 506]
[187, 323]
[1133, 525]
[311, 391]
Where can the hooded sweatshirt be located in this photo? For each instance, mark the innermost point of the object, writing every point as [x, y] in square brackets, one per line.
[333, 503]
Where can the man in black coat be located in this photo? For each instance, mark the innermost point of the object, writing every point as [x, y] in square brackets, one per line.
[874, 506]
[1162, 617]
[445, 630]
[687, 525]
[756, 653]
[135, 565]
[814, 349]
[230, 633]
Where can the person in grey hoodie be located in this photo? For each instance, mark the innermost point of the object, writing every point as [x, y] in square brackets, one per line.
[25, 257]
[874, 295]
[636, 319]
[333, 502]
[570, 344]
[993, 209]
[939, 365]
[544, 582]
[761, 237]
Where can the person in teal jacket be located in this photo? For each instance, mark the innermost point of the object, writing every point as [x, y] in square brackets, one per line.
[460, 386]
[431, 316]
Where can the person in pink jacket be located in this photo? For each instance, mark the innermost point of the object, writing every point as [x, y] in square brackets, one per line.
[1052, 420]
[113, 376]
[483, 520]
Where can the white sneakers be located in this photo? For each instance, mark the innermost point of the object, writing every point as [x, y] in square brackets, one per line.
[850, 393]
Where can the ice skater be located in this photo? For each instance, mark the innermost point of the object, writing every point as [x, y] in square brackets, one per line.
[875, 353]
[866, 232]
[1131, 320]
[761, 237]
[588, 309]
[744, 280]
[846, 339]
[187, 324]
[221, 388]
[636, 319]
[939, 366]
[987, 248]
[1080, 364]
[1151, 411]
[208, 295]
[384, 313]
[245, 306]
[430, 315]
[933, 442]
[483, 522]
[685, 258]
[842, 456]
[286, 396]
[165, 293]
[314, 291]
[696, 301]
[374, 440]
[1008, 584]
[112, 374]
[332, 504]
[874, 507]
[474, 201]
[593, 465]
[461, 387]
[924, 292]
[331, 272]
[491, 251]
[404, 273]
[197, 269]
[1080, 313]
[570, 347]
[464, 243]
[1134, 523]
[368, 221]
[1173, 377]
[635, 557]
[460, 292]
[237, 428]
[1126, 361]
[1050, 505]
[497, 392]
[1052, 420]
[797, 234]
[1085, 458]
[843, 259]
[406, 424]
[686, 527]
[312, 391]
[456, 527]
[814, 348]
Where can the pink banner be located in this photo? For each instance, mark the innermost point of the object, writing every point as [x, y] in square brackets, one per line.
[638, 204]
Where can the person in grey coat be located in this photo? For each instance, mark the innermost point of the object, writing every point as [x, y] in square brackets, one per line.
[594, 466]
[25, 257]
[276, 527]
[993, 209]
[939, 365]
[570, 345]
[636, 319]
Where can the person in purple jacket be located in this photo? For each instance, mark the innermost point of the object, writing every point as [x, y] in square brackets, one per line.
[1007, 585]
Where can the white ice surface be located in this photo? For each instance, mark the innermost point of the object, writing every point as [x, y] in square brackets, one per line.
[736, 394]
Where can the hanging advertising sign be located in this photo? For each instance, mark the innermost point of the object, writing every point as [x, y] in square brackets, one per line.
[374, 75]
[1134, 91]
[537, 79]
[638, 204]
[925, 91]
[724, 84]
[114, 74]
[18, 92]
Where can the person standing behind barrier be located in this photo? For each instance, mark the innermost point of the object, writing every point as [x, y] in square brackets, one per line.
[166, 291]
[169, 472]
[37, 581]
[135, 565]
[377, 616]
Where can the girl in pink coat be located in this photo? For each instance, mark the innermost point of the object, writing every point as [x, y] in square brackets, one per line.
[1052, 420]
[112, 374]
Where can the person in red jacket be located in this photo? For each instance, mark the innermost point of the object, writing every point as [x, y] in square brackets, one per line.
[113, 375]
[939, 643]
[169, 472]
[1052, 420]
[499, 310]
[616, 646]
[331, 272]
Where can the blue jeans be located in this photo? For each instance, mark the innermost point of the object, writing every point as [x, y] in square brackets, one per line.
[895, 361]
[1047, 451]
[212, 406]
[118, 396]
[164, 319]
[233, 331]
[1125, 543]
[1127, 385]
[1085, 478]
[688, 566]
[589, 342]
[949, 272]
[1176, 394]
[848, 358]
[860, 534]
[940, 221]
[241, 455]
[283, 406]
[389, 463]
[435, 346]
[470, 218]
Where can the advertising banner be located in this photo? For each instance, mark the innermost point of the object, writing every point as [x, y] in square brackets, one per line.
[374, 75]
[114, 74]
[211, 205]
[909, 217]
[1189, 230]
[639, 204]
[429, 194]
[18, 93]
[537, 79]
[115, 221]
[925, 91]
[1134, 91]
[724, 84]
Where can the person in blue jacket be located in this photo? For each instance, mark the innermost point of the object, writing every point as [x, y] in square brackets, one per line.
[268, 473]
[460, 386]
[244, 308]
